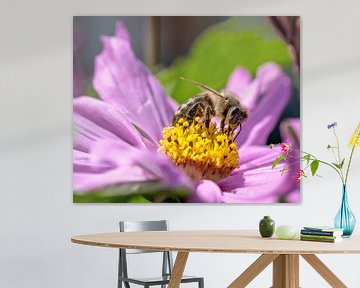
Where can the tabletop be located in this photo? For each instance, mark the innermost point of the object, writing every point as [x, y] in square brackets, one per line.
[216, 241]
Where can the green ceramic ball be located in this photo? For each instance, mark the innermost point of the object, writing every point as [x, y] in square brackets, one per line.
[285, 232]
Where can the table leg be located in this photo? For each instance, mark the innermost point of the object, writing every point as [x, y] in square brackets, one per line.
[178, 269]
[253, 270]
[324, 271]
[286, 271]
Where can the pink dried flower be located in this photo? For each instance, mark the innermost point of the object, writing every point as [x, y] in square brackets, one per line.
[285, 148]
[300, 174]
[284, 170]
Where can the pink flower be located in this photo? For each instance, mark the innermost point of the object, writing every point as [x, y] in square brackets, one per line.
[284, 170]
[285, 148]
[290, 133]
[117, 138]
[300, 174]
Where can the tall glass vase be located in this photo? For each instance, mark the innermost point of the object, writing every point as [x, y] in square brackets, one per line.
[345, 219]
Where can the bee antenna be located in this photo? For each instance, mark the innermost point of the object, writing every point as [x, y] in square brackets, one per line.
[203, 87]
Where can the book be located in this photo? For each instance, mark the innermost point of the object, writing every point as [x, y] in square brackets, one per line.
[325, 240]
[321, 233]
[320, 236]
[323, 228]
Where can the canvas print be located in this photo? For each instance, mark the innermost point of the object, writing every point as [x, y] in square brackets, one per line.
[186, 109]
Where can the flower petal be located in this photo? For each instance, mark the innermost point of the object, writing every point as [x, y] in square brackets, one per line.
[82, 163]
[272, 89]
[248, 91]
[293, 196]
[256, 156]
[206, 191]
[124, 81]
[238, 83]
[86, 182]
[260, 185]
[95, 120]
[290, 132]
[255, 181]
[104, 166]
[123, 163]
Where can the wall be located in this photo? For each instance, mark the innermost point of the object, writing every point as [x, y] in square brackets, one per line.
[37, 217]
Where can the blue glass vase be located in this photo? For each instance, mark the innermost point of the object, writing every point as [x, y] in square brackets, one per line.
[345, 219]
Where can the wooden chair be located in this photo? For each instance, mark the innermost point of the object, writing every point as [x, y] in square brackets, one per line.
[167, 262]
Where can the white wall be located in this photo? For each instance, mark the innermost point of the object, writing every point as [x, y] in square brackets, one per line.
[37, 217]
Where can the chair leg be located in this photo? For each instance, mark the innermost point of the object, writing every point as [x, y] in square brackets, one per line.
[120, 272]
[201, 283]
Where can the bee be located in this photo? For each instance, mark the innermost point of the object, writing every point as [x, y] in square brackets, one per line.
[211, 103]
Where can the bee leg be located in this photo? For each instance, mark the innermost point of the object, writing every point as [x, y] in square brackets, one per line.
[222, 124]
[208, 113]
[176, 118]
[237, 134]
[196, 110]
[191, 114]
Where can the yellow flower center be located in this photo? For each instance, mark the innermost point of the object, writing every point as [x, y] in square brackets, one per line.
[203, 152]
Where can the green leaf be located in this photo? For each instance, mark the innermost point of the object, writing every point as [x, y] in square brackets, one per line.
[276, 162]
[219, 50]
[272, 146]
[336, 165]
[307, 158]
[339, 166]
[342, 163]
[138, 199]
[314, 166]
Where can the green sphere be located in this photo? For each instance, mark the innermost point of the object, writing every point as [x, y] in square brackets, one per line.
[285, 232]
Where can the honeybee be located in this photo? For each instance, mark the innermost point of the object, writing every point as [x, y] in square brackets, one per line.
[211, 103]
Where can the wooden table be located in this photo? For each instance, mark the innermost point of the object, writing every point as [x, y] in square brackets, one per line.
[284, 254]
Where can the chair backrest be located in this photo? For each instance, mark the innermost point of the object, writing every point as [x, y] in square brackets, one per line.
[134, 226]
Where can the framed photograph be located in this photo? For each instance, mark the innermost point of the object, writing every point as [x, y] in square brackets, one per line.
[186, 109]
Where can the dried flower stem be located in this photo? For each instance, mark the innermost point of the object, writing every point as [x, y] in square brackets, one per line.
[348, 167]
[350, 159]
[339, 155]
[323, 162]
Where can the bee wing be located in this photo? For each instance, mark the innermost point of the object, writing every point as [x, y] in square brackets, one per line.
[203, 87]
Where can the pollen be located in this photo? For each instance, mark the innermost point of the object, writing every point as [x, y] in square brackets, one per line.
[355, 138]
[202, 152]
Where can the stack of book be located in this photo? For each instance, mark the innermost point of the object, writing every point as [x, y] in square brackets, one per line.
[321, 234]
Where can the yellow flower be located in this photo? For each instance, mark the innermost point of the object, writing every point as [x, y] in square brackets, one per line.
[355, 138]
[203, 152]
